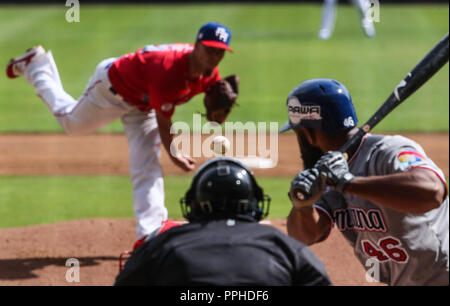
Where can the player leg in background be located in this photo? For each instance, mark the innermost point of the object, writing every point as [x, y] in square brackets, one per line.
[366, 18]
[141, 130]
[96, 107]
[328, 19]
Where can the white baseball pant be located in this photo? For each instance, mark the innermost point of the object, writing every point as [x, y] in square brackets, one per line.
[97, 107]
[329, 17]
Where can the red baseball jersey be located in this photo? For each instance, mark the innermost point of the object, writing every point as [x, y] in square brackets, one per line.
[156, 77]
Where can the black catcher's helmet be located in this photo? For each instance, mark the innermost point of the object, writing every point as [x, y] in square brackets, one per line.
[223, 188]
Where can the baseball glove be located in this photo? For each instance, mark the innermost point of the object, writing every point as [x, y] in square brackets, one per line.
[220, 98]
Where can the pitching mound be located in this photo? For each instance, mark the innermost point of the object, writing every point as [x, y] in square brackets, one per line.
[57, 154]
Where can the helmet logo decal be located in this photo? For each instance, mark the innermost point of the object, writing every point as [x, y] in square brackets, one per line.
[348, 122]
[298, 112]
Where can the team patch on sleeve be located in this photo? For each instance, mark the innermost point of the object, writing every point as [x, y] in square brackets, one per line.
[409, 158]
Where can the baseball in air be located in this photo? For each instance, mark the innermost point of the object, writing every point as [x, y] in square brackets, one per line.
[220, 145]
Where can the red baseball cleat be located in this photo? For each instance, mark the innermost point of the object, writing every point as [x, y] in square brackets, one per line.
[138, 243]
[16, 66]
[165, 225]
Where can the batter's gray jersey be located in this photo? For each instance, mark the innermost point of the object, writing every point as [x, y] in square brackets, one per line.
[409, 249]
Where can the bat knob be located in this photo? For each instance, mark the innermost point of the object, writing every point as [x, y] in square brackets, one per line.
[300, 195]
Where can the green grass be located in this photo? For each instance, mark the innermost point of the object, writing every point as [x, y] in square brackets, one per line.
[47, 199]
[40, 200]
[276, 47]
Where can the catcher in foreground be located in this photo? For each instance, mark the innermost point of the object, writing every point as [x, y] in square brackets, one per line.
[223, 244]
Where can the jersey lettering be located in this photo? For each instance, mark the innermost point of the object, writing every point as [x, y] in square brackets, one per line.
[150, 48]
[165, 47]
[388, 248]
[360, 220]
[373, 251]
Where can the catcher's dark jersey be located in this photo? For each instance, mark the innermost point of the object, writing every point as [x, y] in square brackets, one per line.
[226, 253]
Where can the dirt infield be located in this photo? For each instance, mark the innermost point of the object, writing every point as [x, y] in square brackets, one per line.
[58, 154]
[37, 255]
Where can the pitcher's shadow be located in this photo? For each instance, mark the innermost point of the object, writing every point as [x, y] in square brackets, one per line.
[24, 268]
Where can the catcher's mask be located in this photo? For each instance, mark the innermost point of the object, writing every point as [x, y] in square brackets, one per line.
[223, 188]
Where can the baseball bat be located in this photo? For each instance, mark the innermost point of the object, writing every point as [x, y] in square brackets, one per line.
[435, 59]
[424, 70]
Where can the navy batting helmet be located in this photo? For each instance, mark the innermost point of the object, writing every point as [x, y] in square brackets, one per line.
[320, 104]
[223, 188]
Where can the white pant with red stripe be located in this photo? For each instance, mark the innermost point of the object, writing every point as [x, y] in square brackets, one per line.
[97, 107]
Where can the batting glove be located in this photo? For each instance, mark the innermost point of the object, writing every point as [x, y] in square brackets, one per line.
[334, 165]
[306, 188]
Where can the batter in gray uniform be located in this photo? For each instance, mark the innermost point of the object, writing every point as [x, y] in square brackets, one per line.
[389, 200]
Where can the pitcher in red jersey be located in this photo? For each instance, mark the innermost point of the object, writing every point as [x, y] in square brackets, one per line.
[142, 89]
